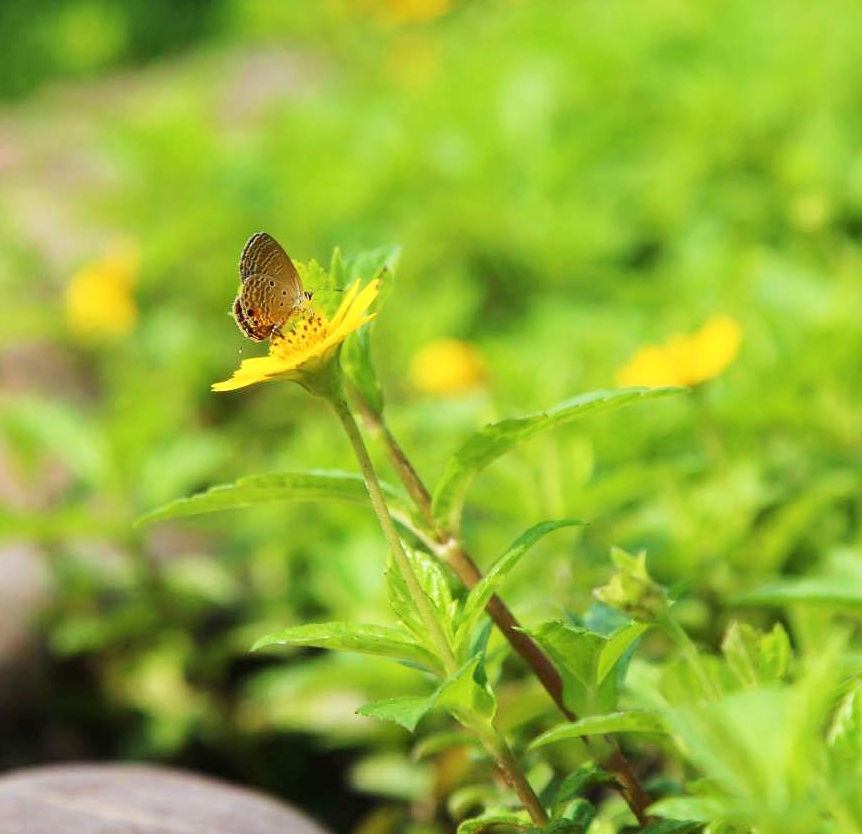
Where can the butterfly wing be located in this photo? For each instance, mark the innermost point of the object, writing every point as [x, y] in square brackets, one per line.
[271, 290]
[262, 255]
[249, 323]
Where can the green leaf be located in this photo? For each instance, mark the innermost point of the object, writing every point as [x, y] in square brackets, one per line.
[631, 721]
[433, 582]
[67, 435]
[496, 439]
[845, 732]
[488, 822]
[831, 590]
[406, 711]
[756, 658]
[577, 783]
[616, 646]
[373, 263]
[673, 827]
[365, 639]
[356, 359]
[689, 809]
[478, 597]
[466, 694]
[265, 489]
[576, 652]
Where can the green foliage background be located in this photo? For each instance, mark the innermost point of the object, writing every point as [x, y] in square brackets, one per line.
[568, 181]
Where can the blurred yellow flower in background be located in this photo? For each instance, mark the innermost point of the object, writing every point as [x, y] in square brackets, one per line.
[301, 351]
[447, 367]
[685, 359]
[99, 298]
[401, 12]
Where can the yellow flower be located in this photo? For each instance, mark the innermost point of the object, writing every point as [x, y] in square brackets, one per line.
[686, 359]
[299, 353]
[447, 367]
[99, 298]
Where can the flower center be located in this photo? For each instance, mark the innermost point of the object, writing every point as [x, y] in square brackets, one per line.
[307, 332]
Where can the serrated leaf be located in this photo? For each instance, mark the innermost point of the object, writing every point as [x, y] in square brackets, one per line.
[478, 597]
[488, 822]
[433, 583]
[365, 639]
[496, 439]
[756, 658]
[406, 711]
[631, 721]
[576, 652]
[264, 489]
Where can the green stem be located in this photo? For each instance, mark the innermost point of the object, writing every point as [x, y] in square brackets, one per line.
[494, 743]
[450, 549]
[509, 766]
[381, 510]
[408, 476]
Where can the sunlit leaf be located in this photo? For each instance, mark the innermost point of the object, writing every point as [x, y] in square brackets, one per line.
[365, 639]
[406, 711]
[266, 489]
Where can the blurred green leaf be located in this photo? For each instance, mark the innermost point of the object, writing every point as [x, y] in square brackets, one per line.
[757, 658]
[836, 591]
[496, 439]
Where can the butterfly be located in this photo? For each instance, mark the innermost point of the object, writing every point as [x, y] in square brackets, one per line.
[271, 292]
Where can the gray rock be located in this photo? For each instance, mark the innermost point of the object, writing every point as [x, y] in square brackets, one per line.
[137, 799]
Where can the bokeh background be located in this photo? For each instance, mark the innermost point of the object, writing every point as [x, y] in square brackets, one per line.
[568, 180]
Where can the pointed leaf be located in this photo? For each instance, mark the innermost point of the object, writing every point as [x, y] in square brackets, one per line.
[406, 711]
[576, 652]
[633, 721]
[467, 693]
[496, 439]
[478, 597]
[617, 645]
[365, 639]
[264, 489]
[433, 582]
